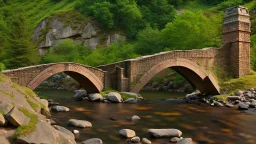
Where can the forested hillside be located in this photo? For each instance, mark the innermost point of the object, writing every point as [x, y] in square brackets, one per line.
[150, 26]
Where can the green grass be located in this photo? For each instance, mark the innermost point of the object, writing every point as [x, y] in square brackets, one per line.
[32, 104]
[26, 129]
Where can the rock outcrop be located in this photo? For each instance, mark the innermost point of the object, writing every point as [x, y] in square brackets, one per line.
[52, 30]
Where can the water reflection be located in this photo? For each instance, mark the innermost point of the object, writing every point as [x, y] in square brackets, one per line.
[203, 123]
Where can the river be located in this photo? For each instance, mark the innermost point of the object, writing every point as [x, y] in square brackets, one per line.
[203, 123]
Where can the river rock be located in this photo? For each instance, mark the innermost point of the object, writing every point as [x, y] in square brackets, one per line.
[95, 97]
[145, 141]
[76, 131]
[128, 133]
[135, 118]
[46, 134]
[80, 94]
[135, 139]
[233, 98]
[64, 130]
[185, 141]
[165, 132]
[239, 93]
[60, 109]
[242, 106]
[79, 123]
[175, 139]
[216, 103]
[93, 141]
[229, 105]
[3, 140]
[131, 101]
[114, 97]
[17, 118]
[5, 107]
[52, 103]
[2, 120]
[252, 105]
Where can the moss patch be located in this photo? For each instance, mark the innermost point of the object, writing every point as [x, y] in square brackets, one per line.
[2, 112]
[11, 95]
[26, 129]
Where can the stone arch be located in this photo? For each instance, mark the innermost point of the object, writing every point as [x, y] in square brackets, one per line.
[80, 73]
[190, 70]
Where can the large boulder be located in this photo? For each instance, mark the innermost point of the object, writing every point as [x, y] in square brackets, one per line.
[80, 94]
[2, 120]
[17, 118]
[128, 133]
[242, 106]
[64, 130]
[114, 97]
[5, 107]
[165, 132]
[95, 97]
[45, 133]
[60, 109]
[131, 101]
[185, 141]
[79, 123]
[93, 141]
[3, 140]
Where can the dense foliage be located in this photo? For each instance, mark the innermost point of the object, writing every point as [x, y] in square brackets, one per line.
[151, 26]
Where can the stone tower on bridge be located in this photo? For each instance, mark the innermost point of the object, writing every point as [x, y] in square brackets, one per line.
[236, 29]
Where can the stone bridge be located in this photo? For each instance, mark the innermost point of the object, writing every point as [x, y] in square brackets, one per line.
[133, 74]
[90, 78]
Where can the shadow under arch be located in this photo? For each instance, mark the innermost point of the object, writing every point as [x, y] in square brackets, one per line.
[195, 75]
[82, 75]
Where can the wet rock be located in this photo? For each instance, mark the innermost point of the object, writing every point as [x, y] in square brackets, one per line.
[233, 98]
[79, 123]
[80, 94]
[145, 141]
[252, 105]
[60, 108]
[93, 141]
[175, 139]
[52, 103]
[64, 130]
[229, 105]
[135, 140]
[46, 134]
[237, 102]
[165, 132]
[135, 118]
[113, 118]
[216, 103]
[51, 122]
[128, 133]
[251, 89]
[5, 107]
[75, 131]
[239, 93]
[50, 100]
[242, 106]
[114, 97]
[185, 141]
[131, 101]
[2, 120]
[3, 140]
[95, 97]
[17, 118]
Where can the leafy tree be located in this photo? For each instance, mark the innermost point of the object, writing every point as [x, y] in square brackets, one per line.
[191, 30]
[20, 51]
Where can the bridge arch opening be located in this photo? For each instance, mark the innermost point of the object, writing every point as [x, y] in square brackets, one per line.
[86, 79]
[192, 72]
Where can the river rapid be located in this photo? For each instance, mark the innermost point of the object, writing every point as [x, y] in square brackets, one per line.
[203, 123]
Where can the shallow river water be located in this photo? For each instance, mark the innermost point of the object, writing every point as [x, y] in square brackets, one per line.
[203, 123]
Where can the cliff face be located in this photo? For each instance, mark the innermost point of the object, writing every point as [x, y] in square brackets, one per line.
[72, 25]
